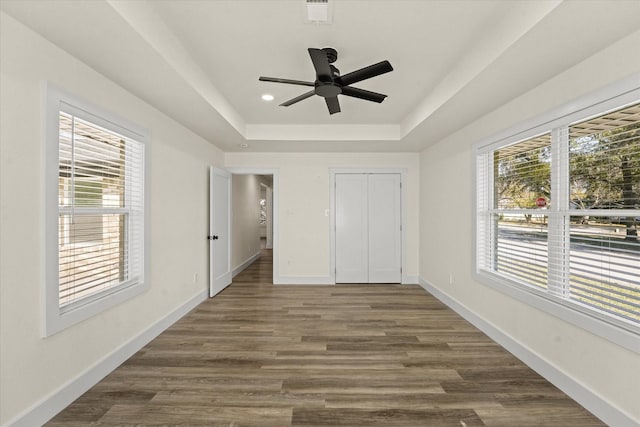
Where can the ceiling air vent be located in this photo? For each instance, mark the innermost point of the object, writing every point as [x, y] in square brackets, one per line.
[318, 12]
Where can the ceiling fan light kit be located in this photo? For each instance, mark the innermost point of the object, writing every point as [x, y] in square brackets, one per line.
[329, 83]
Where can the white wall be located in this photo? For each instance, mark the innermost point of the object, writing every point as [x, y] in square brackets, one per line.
[32, 367]
[303, 196]
[446, 240]
[245, 216]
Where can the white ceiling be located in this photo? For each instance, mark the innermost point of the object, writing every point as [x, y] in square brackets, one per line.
[454, 61]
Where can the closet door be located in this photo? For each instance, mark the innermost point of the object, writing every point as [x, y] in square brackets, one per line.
[385, 241]
[368, 228]
[352, 245]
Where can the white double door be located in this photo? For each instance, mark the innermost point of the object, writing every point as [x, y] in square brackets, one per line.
[368, 235]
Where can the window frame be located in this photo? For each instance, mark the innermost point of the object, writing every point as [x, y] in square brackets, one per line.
[57, 318]
[617, 95]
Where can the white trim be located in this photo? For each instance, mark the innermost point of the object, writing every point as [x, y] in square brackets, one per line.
[49, 406]
[253, 258]
[332, 132]
[332, 223]
[555, 306]
[305, 280]
[594, 403]
[326, 280]
[54, 320]
[411, 280]
[612, 97]
[275, 172]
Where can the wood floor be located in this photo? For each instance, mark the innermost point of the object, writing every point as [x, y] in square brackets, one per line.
[357, 355]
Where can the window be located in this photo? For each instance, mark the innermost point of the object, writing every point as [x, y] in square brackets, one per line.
[95, 211]
[558, 212]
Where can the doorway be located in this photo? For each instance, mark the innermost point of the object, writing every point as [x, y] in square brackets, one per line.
[266, 211]
[254, 218]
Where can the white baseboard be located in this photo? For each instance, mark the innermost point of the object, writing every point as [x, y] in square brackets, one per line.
[48, 407]
[303, 280]
[245, 264]
[326, 280]
[594, 403]
[411, 280]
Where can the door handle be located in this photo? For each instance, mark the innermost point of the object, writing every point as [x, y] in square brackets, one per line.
[212, 237]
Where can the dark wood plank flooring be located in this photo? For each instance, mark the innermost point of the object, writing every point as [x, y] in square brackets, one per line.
[346, 355]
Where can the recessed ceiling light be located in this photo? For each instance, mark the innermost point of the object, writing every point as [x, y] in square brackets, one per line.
[267, 97]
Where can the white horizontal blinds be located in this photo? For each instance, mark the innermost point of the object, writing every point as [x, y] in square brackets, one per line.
[522, 177]
[558, 230]
[523, 173]
[485, 253]
[100, 205]
[604, 164]
[558, 214]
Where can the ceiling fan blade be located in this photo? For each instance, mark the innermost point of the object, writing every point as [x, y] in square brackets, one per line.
[298, 98]
[366, 73]
[363, 94]
[288, 81]
[321, 64]
[333, 105]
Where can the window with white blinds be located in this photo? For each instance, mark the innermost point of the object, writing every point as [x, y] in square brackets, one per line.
[100, 210]
[558, 214]
[99, 186]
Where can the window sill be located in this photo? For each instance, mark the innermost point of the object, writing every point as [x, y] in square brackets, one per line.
[57, 321]
[626, 338]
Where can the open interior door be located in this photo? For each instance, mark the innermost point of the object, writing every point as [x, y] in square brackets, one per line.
[219, 230]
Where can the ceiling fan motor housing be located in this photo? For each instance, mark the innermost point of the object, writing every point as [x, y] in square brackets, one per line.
[328, 89]
[329, 83]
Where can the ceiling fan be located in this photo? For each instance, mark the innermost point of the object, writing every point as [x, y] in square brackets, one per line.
[329, 83]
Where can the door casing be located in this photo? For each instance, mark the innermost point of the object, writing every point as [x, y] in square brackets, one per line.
[275, 209]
